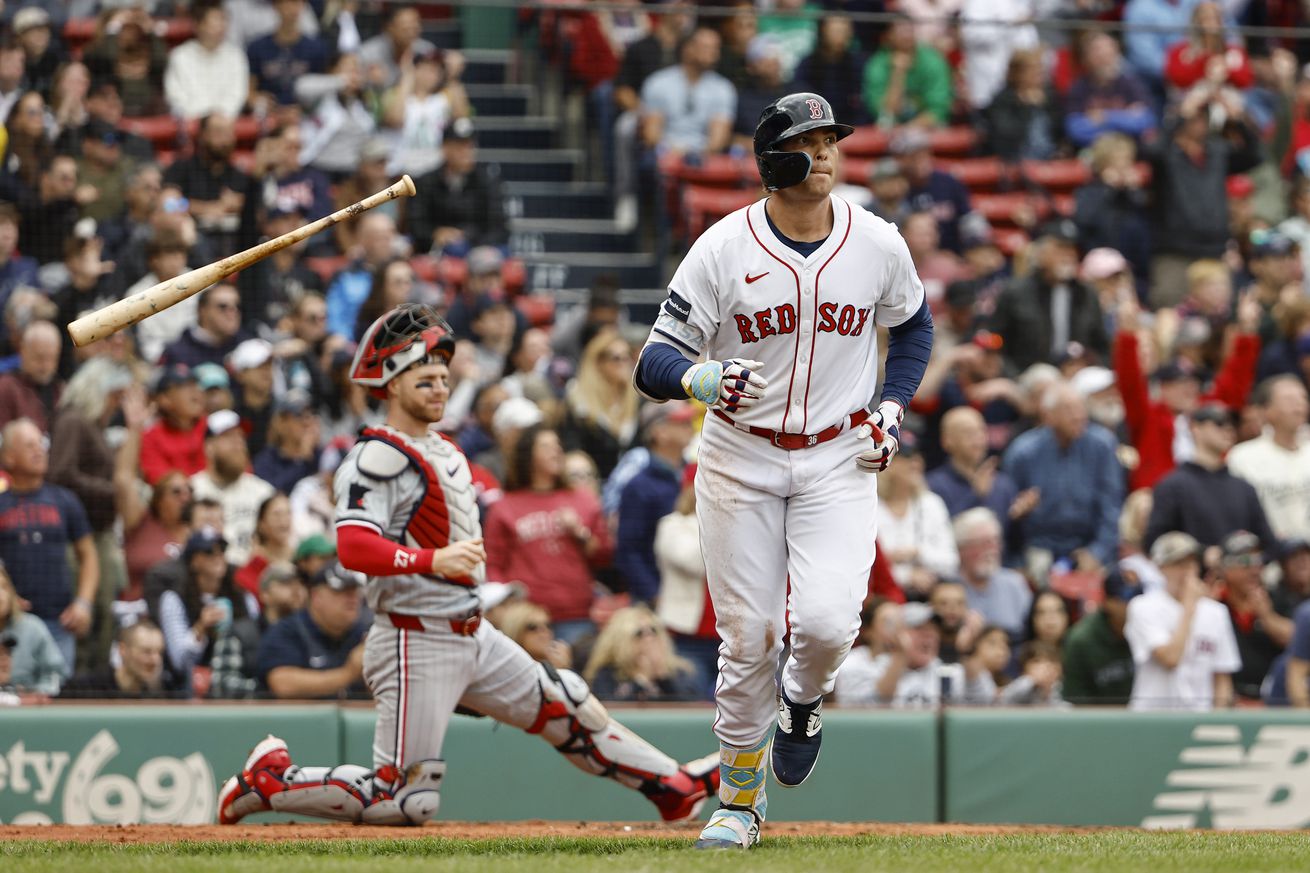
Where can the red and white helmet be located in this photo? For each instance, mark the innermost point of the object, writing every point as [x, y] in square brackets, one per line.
[407, 335]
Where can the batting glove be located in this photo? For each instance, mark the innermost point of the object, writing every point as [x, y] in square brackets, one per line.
[884, 430]
[733, 384]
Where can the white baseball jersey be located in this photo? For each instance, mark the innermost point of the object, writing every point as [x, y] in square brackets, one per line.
[422, 498]
[1211, 648]
[743, 293]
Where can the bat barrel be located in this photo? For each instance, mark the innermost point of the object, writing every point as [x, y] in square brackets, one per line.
[123, 313]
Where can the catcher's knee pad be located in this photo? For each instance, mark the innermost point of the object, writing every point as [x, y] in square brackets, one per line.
[573, 721]
[414, 798]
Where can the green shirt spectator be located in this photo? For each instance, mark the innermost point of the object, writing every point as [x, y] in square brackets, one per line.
[905, 81]
[793, 26]
[1098, 664]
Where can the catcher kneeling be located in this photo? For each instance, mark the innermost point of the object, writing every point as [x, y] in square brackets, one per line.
[408, 521]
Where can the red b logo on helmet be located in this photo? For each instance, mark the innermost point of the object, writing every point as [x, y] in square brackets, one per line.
[816, 108]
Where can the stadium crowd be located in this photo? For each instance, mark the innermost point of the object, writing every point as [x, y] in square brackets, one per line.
[1104, 491]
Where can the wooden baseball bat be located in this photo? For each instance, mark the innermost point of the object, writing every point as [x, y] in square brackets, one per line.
[128, 311]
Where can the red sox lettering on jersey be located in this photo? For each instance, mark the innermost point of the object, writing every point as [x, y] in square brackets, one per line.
[743, 293]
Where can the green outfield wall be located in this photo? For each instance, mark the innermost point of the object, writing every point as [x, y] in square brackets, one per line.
[164, 763]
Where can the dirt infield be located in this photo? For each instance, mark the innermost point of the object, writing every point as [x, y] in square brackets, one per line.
[482, 830]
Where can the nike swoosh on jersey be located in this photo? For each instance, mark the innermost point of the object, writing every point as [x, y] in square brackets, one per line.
[750, 278]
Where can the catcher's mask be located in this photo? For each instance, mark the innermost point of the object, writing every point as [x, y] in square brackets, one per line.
[410, 334]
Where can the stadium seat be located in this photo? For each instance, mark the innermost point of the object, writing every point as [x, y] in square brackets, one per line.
[161, 130]
[704, 206]
[514, 275]
[326, 268]
[1063, 204]
[452, 272]
[246, 128]
[538, 309]
[952, 141]
[1061, 175]
[855, 171]
[1010, 240]
[977, 174]
[869, 141]
[425, 268]
[1013, 209]
[720, 171]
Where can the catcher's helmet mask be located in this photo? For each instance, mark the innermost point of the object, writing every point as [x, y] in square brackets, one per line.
[783, 119]
[407, 336]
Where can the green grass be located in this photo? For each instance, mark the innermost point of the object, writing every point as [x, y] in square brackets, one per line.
[1046, 852]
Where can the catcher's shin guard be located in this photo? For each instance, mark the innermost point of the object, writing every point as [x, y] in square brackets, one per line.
[742, 799]
[573, 721]
[357, 794]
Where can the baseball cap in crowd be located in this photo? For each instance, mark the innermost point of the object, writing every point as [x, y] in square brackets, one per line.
[220, 422]
[1092, 380]
[206, 539]
[486, 302]
[337, 577]
[910, 139]
[30, 18]
[1059, 229]
[1242, 548]
[250, 354]
[652, 414]
[885, 168]
[975, 231]
[1239, 186]
[516, 412]
[1293, 546]
[1122, 584]
[98, 130]
[210, 375]
[277, 572]
[293, 402]
[1266, 243]
[460, 129]
[1102, 263]
[172, 376]
[374, 150]
[314, 546]
[1173, 548]
[1215, 413]
[916, 614]
[485, 259]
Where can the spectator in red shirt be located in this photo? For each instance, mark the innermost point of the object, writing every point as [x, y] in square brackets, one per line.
[547, 536]
[1205, 54]
[1152, 422]
[176, 441]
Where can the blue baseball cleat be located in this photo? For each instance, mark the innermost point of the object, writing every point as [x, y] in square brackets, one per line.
[796, 740]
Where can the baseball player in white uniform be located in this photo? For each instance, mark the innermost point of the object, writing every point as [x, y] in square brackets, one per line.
[407, 518]
[779, 302]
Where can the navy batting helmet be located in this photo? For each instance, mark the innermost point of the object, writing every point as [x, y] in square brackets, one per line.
[782, 119]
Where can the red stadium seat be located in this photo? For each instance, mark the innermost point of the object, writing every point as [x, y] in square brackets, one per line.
[327, 267]
[79, 31]
[1010, 240]
[977, 174]
[453, 272]
[703, 206]
[161, 130]
[855, 171]
[1062, 175]
[719, 171]
[538, 309]
[1063, 204]
[177, 30]
[425, 268]
[514, 276]
[946, 141]
[1012, 209]
[869, 141]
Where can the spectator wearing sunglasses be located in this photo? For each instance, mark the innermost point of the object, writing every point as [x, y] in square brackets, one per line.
[529, 625]
[633, 659]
